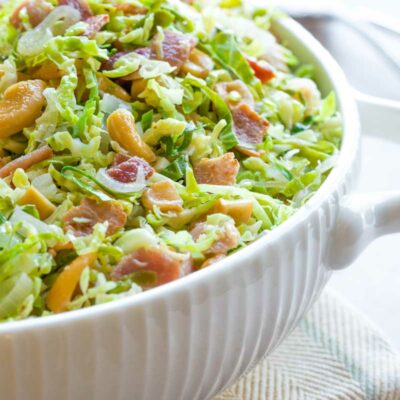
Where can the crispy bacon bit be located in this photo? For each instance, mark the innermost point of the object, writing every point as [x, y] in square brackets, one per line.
[164, 196]
[228, 238]
[144, 51]
[95, 24]
[37, 11]
[262, 70]
[249, 126]
[212, 260]
[128, 170]
[27, 161]
[217, 171]
[81, 5]
[131, 9]
[175, 49]
[82, 219]
[167, 264]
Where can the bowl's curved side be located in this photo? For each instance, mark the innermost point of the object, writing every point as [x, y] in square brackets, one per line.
[188, 345]
[189, 341]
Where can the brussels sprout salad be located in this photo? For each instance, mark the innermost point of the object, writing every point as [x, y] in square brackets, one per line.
[143, 140]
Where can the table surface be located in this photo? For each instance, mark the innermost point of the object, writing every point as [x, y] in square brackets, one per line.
[372, 283]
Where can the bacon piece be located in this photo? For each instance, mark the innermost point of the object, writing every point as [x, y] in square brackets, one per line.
[248, 125]
[82, 219]
[144, 51]
[26, 161]
[175, 50]
[217, 171]
[167, 264]
[127, 171]
[81, 5]
[131, 9]
[228, 238]
[262, 70]
[95, 24]
[37, 11]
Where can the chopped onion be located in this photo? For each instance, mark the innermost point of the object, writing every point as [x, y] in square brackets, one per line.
[31, 42]
[110, 103]
[120, 187]
[13, 293]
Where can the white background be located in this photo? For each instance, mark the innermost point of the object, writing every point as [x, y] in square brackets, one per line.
[388, 6]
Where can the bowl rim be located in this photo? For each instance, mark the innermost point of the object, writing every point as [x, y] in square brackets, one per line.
[347, 156]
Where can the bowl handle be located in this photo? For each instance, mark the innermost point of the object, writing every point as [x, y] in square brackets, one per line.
[375, 112]
[364, 217]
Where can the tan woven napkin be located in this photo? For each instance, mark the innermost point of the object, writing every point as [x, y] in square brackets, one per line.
[334, 354]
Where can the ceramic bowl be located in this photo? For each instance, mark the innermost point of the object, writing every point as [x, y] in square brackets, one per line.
[192, 338]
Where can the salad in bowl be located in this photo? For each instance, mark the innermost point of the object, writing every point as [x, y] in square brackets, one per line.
[144, 140]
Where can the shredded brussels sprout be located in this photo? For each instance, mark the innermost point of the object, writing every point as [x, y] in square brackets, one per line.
[143, 140]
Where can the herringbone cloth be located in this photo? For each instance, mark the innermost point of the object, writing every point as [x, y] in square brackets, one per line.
[334, 354]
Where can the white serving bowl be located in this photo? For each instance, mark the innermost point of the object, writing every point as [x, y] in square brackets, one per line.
[192, 338]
